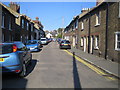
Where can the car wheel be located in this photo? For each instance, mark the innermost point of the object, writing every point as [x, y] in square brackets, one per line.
[23, 72]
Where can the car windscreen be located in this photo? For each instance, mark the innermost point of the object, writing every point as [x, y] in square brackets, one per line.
[19, 44]
[31, 42]
[67, 42]
[4, 48]
[43, 39]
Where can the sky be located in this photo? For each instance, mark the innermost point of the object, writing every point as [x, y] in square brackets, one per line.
[53, 15]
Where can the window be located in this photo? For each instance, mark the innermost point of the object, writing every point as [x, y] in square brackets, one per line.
[117, 41]
[22, 23]
[76, 23]
[9, 23]
[3, 20]
[27, 26]
[82, 25]
[72, 27]
[96, 42]
[97, 18]
[82, 42]
[31, 27]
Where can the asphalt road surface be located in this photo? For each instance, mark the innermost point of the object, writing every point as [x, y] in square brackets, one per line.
[54, 68]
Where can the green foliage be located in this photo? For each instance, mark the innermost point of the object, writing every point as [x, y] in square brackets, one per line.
[59, 36]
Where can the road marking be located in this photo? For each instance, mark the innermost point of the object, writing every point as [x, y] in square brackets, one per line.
[97, 70]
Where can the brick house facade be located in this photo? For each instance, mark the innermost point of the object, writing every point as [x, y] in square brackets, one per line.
[7, 24]
[71, 32]
[17, 27]
[98, 37]
[99, 31]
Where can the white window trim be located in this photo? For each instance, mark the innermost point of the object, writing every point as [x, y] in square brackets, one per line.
[116, 41]
[82, 25]
[82, 42]
[97, 19]
[76, 24]
[96, 43]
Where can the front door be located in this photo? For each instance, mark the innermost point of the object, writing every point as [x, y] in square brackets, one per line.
[91, 44]
[73, 41]
[84, 44]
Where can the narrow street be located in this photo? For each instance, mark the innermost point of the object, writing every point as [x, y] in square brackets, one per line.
[54, 68]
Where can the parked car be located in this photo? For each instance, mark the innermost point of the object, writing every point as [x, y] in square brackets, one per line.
[33, 45]
[49, 40]
[65, 44]
[44, 41]
[59, 40]
[14, 57]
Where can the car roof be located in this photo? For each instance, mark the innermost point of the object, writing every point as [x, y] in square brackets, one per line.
[6, 43]
[33, 40]
[65, 40]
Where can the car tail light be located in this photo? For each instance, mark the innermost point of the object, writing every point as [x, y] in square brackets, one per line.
[17, 71]
[14, 48]
[61, 44]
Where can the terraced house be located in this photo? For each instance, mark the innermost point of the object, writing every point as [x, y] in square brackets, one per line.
[99, 30]
[7, 24]
[16, 26]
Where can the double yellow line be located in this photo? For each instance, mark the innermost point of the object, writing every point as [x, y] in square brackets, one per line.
[97, 70]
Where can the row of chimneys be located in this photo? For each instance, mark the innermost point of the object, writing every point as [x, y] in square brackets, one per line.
[87, 9]
[16, 7]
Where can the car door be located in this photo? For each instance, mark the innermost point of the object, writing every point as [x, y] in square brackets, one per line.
[22, 51]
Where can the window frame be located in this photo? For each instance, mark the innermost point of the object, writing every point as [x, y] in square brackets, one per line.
[96, 44]
[27, 26]
[31, 27]
[82, 42]
[23, 23]
[82, 25]
[117, 41]
[10, 25]
[3, 20]
[97, 20]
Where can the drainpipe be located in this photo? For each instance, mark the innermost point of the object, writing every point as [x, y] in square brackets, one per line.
[106, 34]
[89, 32]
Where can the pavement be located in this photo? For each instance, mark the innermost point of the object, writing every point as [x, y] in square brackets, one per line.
[106, 65]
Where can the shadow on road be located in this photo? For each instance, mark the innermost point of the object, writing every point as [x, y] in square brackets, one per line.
[76, 78]
[14, 81]
[31, 67]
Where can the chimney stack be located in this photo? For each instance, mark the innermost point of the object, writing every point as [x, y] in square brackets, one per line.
[14, 6]
[85, 10]
[99, 1]
[37, 18]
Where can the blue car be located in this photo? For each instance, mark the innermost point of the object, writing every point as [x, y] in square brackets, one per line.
[33, 45]
[14, 57]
